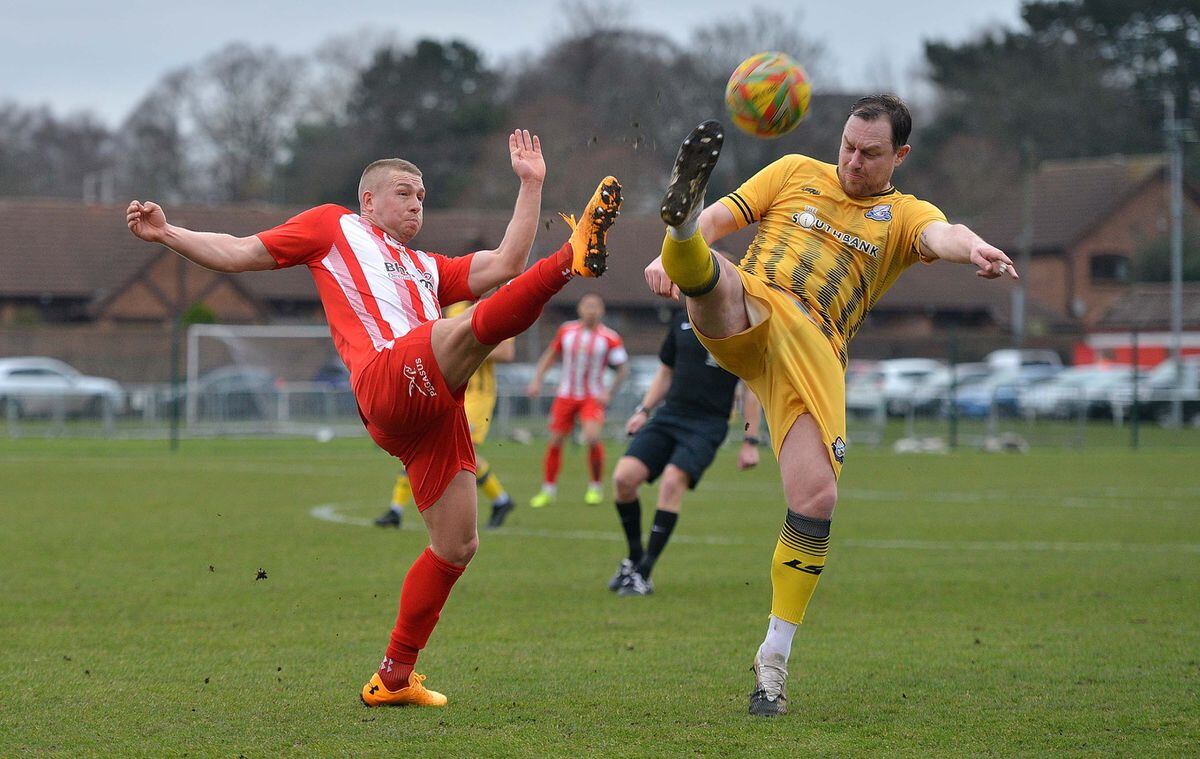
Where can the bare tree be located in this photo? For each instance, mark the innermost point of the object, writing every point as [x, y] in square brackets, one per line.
[41, 154]
[242, 105]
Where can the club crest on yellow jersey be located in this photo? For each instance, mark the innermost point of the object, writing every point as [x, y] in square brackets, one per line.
[882, 212]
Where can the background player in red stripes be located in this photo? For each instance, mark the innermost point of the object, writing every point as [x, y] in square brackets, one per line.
[409, 367]
[587, 348]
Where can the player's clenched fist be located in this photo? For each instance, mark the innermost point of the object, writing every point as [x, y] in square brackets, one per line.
[658, 281]
[146, 220]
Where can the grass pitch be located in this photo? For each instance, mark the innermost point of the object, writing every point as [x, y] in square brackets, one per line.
[973, 605]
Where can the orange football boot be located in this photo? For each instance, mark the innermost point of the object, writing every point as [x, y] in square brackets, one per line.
[588, 234]
[375, 693]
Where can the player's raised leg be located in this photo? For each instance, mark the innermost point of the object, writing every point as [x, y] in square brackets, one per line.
[715, 295]
[811, 490]
[453, 540]
[462, 343]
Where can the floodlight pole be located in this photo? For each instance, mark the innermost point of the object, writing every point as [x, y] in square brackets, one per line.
[1024, 242]
[176, 339]
[1173, 129]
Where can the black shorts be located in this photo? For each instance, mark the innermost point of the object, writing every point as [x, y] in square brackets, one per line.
[688, 442]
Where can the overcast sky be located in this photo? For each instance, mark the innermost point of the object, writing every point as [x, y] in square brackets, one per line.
[103, 57]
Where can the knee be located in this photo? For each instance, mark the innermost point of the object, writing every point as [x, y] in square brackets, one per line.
[626, 482]
[674, 483]
[461, 550]
[815, 500]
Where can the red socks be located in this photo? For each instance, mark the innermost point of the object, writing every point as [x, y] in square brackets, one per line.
[517, 305]
[596, 461]
[425, 589]
[553, 463]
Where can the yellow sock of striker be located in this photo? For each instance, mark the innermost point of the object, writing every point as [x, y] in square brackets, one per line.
[797, 564]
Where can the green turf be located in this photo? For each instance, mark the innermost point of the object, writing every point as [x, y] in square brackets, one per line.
[974, 605]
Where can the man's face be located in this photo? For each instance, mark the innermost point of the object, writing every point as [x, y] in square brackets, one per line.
[591, 310]
[396, 204]
[867, 159]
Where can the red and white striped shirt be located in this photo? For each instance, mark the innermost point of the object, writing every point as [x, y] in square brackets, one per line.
[585, 354]
[374, 289]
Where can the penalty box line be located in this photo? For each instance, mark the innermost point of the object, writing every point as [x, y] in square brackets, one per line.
[331, 512]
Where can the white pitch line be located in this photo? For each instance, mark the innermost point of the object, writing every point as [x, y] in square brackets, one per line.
[329, 513]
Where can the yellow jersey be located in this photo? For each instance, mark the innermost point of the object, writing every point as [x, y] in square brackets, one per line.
[836, 254]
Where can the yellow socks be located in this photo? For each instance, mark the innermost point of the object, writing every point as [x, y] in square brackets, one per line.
[690, 264]
[797, 564]
[488, 482]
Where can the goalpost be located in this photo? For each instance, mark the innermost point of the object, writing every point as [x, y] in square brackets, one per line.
[267, 380]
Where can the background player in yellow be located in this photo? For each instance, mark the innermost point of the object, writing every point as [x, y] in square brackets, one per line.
[831, 240]
[480, 403]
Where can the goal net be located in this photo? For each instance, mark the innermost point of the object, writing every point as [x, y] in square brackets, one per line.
[267, 380]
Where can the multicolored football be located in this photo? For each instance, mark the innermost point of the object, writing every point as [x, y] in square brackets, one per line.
[768, 95]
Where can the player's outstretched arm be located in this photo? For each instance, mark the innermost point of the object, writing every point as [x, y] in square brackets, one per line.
[212, 250]
[957, 243]
[490, 268]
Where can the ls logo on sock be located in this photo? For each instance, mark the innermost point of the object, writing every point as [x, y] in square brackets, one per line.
[811, 569]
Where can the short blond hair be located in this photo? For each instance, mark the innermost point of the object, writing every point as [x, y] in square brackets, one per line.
[371, 174]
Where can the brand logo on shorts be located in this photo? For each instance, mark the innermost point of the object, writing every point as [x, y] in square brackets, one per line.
[423, 386]
[839, 450]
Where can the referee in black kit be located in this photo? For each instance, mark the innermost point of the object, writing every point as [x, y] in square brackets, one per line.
[676, 441]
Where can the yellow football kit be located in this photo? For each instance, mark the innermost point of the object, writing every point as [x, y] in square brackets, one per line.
[819, 262]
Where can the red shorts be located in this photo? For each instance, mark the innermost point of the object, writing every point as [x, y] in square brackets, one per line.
[411, 413]
[564, 411]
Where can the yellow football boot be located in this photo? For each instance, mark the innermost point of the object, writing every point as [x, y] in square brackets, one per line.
[588, 234]
[593, 496]
[375, 693]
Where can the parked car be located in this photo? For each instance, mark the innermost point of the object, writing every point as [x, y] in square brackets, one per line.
[236, 392]
[1088, 389]
[1002, 390]
[1012, 359]
[902, 377]
[864, 388]
[39, 385]
[1157, 396]
[933, 395]
[333, 374]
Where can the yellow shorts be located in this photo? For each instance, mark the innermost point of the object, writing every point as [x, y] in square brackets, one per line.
[479, 408]
[789, 364]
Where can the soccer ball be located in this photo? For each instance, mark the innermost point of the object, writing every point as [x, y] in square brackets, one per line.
[768, 95]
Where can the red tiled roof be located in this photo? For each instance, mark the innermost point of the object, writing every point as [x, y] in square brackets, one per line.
[67, 249]
[1148, 306]
[1070, 197]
